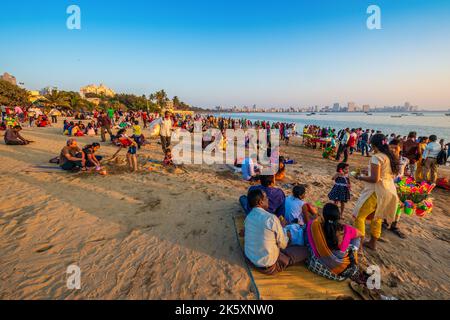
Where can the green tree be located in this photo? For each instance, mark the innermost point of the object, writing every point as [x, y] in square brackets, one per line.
[12, 95]
[57, 99]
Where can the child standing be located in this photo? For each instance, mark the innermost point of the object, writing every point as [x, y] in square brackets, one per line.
[341, 189]
[137, 133]
[125, 141]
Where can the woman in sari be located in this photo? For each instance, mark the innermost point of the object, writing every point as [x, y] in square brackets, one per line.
[333, 246]
[379, 199]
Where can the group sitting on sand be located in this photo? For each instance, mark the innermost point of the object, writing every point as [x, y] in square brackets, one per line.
[281, 231]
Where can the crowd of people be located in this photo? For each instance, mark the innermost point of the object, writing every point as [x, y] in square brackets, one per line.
[280, 230]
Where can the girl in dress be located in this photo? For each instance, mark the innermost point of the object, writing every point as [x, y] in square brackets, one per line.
[341, 189]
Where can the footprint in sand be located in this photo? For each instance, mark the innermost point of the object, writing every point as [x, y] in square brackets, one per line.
[44, 248]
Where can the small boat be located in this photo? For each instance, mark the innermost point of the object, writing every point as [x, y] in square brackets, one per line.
[369, 114]
[419, 114]
[323, 114]
[447, 114]
[399, 116]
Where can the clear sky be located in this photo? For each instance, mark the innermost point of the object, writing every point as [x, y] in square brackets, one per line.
[236, 52]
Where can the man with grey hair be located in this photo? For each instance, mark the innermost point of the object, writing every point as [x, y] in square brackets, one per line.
[70, 157]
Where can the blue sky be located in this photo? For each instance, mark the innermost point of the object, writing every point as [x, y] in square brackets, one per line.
[229, 52]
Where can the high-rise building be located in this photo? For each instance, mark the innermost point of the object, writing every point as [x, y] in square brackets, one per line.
[336, 107]
[351, 107]
[9, 78]
[366, 108]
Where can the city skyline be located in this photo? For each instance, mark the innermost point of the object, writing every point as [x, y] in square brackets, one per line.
[230, 53]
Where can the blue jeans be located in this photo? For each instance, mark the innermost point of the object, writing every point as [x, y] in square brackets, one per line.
[364, 148]
[244, 204]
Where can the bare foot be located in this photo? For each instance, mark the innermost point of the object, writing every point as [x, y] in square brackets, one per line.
[372, 244]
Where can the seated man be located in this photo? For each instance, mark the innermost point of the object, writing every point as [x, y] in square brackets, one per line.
[266, 244]
[249, 169]
[13, 137]
[276, 196]
[70, 157]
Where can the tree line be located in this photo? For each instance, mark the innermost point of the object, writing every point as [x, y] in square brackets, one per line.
[12, 95]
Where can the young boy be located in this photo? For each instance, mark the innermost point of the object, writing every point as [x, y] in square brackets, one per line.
[296, 209]
[137, 134]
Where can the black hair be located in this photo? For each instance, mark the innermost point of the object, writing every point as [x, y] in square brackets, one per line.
[412, 134]
[341, 166]
[266, 180]
[136, 122]
[18, 127]
[394, 142]
[433, 138]
[331, 225]
[254, 197]
[380, 142]
[121, 131]
[298, 191]
[95, 144]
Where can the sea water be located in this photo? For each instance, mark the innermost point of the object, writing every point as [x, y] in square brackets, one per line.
[429, 123]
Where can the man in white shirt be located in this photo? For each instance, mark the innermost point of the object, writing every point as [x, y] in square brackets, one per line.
[165, 132]
[429, 156]
[248, 170]
[266, 243]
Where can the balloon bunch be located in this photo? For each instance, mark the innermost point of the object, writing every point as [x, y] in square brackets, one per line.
[414, 197]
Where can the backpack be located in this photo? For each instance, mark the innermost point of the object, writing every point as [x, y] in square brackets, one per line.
[441, 157]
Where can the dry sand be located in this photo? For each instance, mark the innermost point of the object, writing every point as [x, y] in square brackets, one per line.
[166, 235]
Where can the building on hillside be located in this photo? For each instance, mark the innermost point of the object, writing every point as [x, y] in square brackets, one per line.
[9, 78]
[100, 90]
[48, 90]
[34, 95]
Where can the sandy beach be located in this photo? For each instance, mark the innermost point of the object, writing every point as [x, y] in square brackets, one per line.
[159, 234]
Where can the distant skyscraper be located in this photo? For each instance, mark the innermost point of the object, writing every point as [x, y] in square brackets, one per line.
[336, 107]
[351, 107]
[366, 108]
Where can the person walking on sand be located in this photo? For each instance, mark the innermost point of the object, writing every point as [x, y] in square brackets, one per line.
[165, 133]
[104, 123]
[379, 197]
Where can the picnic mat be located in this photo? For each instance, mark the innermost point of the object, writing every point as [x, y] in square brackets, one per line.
[294, 283]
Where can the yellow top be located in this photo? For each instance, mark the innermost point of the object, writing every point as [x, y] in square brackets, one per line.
[137, 131]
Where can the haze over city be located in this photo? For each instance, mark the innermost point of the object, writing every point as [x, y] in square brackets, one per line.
[227, 53]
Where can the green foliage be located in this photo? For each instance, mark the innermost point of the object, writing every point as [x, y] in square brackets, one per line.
[12, 95]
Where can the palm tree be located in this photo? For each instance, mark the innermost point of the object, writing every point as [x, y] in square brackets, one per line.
[56, 99]
[75, 102]
[161, 98]
[176, 102]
